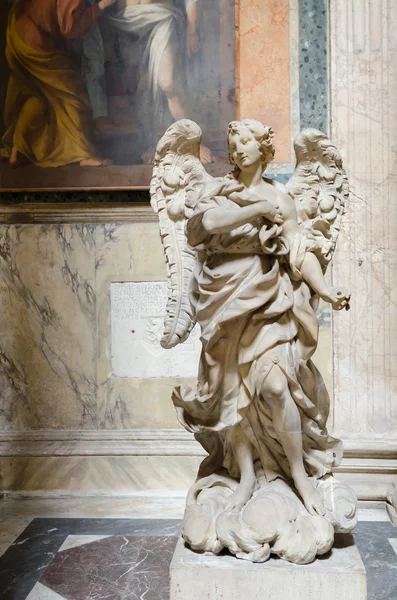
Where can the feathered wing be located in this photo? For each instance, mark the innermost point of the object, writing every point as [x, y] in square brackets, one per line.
[320, 188]
[178, 176]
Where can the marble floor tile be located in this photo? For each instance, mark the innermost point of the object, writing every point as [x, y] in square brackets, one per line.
[11, 526]
[73, 541]
[115, 568]
[120, 559]
[373, 514]
[393, 543]
[26, 560]
[380, 560]
[41, 592]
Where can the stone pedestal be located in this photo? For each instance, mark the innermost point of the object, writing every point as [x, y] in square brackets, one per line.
[338, 576]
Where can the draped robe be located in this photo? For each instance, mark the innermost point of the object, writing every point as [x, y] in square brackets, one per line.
[256, 313]
[47, 114]
[156, 26]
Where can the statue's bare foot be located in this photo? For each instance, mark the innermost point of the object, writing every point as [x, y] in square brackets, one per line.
[205, 155]
[148, 156]
[96, 162]
[240, 496]
[310, 496]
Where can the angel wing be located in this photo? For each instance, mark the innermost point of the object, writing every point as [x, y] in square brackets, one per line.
[320, 188]
[178, 176]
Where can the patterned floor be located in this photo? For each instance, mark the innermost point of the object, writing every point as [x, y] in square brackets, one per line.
[128, 559]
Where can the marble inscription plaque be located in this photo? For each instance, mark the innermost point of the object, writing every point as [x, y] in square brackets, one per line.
[137, 311]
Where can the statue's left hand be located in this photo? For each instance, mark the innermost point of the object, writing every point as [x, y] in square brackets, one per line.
[339, 298]
[270, 212]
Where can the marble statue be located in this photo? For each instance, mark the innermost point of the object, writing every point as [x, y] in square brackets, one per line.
[246, 258]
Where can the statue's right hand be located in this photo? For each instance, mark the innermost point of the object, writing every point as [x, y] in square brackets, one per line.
[270, 212]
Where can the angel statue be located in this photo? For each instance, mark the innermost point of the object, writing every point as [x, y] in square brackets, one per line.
[246, 259]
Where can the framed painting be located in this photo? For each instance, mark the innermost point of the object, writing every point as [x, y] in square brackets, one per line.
[87, 87]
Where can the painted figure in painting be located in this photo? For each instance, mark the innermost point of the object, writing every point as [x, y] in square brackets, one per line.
[168, 34]
[47, 114]
[93, 71]
[95, 83]
[246, 259]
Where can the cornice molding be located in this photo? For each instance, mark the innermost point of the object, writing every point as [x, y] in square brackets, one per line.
[156, 442]
[132, 442]
[73, 212]
[369, 466]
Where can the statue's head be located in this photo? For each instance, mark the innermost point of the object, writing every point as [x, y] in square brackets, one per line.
[249, 144]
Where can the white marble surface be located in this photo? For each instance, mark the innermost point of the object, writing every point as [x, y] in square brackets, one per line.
[393, 543]
[18, 512]
[103, 475]
[74, 541]
[199, 577]
[363, 47]
[138, 310]
[373, 514]
[41, 592]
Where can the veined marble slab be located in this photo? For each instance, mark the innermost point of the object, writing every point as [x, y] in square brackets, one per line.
[56, 370]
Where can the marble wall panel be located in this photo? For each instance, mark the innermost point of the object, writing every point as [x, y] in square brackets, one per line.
[131, 252]
[80, 475]
[313, 64]
[48, 325]
[55, 361]
[364, 126]
[268, 89]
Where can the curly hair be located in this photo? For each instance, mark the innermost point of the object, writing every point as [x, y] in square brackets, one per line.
[262, 134]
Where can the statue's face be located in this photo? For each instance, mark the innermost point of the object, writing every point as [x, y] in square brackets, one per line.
[244, 149]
